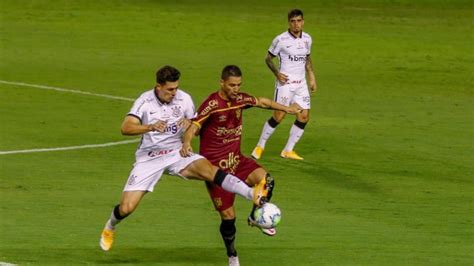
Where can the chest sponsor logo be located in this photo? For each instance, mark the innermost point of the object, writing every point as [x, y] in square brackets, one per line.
[223, 131]
[297, 58]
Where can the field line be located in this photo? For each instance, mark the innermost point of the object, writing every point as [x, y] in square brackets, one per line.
[88, 146]
[65, 90]
[2, 263]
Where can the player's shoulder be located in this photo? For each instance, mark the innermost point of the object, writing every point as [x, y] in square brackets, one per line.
[305, 35]
[284, 36]
[209, 104]
[182, 95]
[147, 96]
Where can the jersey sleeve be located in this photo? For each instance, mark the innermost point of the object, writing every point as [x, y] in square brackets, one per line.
[189, 111]
[310, 44]
[248, 100]
[138, 109]
[275, 47]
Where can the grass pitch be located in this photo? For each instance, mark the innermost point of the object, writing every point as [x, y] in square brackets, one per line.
[387, 176]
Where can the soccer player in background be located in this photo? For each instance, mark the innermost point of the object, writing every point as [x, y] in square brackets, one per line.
[161, 115]
[293, 49]
[219, 124]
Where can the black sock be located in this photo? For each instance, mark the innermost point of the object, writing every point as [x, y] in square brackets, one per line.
[272, 122]
[117, 213]
[228, 231]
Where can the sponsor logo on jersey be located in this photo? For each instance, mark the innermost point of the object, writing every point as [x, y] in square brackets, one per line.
[231, 163]
[173, 129]
[210, 105]
[297, 58]
[158, 153]
[223, 131]
[222, 118]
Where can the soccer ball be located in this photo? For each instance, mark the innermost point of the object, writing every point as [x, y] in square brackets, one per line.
[267, 216]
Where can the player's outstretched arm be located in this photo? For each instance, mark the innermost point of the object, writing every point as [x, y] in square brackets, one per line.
[132, 126]
[192, 130]
[269, 104]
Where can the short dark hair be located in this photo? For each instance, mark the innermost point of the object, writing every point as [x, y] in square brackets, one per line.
[167, 73]
[231, 70]
[294, 13]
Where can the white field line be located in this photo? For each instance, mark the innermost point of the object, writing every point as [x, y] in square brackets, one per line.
[65, 90]
[6, 264]
[88, 146]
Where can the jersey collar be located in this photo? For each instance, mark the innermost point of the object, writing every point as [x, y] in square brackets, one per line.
[158, 98]
[295, 37]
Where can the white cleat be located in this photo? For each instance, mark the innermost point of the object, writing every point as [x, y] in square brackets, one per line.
[234, 261]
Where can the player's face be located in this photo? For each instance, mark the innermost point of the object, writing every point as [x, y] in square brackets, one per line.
[231, 86]
[296, 25]
[167, 91]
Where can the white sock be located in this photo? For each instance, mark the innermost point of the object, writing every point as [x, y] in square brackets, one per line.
[112, 222]
[235, 185]
[267, 132]
[295, 135]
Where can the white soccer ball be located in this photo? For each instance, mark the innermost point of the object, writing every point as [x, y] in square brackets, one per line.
[267, 216]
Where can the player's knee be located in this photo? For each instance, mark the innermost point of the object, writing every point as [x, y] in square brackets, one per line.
[276, 118]
[125, 209]
[300, 124]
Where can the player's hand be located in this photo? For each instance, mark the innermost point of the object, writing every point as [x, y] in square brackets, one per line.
[282, 78]
[313, 86]
[294, 109]
[186, 149]
[159, 126]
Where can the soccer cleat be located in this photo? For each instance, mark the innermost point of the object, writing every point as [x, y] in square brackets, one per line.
[290, 155]
[107, 239]
[263, 190]
[268, 232]
[257, 152]
[234, 261]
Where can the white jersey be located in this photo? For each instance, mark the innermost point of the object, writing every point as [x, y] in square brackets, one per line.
[292, 53]
[149, 109]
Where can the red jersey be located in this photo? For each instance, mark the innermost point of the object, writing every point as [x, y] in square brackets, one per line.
[220, 123]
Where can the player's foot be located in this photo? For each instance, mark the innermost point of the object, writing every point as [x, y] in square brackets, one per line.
[268, 232]
[262, 190]
[257, 152]
[234, 261]
[290, 155]
[107, 239]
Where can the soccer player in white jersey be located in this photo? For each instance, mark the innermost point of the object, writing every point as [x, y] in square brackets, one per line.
[293, 49]
[161, 115]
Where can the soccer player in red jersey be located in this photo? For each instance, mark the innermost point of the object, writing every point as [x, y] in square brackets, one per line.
[219, 124]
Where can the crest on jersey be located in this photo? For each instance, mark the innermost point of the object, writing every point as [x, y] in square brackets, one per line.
[222, 118]
[176, 111]
[238, 113]
[284, 100]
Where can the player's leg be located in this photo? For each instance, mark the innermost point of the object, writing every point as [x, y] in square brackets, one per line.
[254, 177]
[302, 98]
[128, 203]
[142, 179]
[281, 96]
[202, 169]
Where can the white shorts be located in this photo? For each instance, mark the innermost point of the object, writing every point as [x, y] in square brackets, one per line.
[294, 91]
[145, 175]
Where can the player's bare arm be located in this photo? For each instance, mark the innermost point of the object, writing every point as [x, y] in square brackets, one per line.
[192, 131]
[282, 78]
[132, 126]
[269, 104]
[310, 73]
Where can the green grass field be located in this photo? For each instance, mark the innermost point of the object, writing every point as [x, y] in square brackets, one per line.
[388, 171]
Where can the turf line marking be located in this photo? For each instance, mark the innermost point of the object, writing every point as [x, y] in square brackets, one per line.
[88, 146]
[66, 90]
[6, 264]
[70, 147]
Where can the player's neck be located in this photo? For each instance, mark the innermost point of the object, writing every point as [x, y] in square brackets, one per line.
[296, 34]
[223, 95]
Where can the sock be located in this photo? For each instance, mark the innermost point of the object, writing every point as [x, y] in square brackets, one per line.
[296, 131]
[228, 231]
[114, 219]
[233, 184]
[267, 131]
